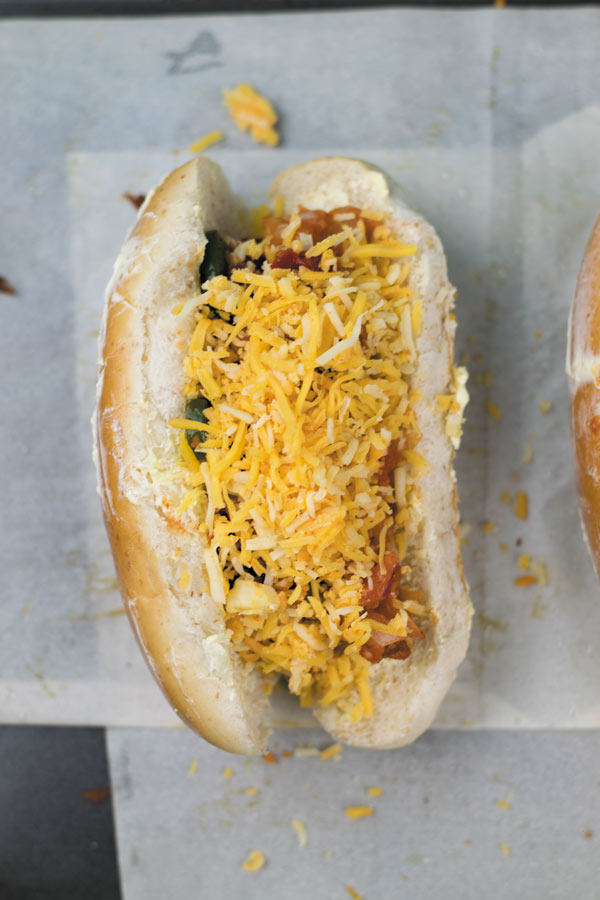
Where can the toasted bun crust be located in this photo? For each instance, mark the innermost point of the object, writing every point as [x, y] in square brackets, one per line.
[583, 369]
[181, 632]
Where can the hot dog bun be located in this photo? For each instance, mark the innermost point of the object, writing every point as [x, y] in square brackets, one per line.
[182, 632]
[583, 369]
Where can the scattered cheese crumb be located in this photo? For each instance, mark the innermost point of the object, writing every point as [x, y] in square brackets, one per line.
[305, 750]
[537, 335]
[375, 791]
[207, 141]
[488, 527]
[252, 112]
[541, 573]
[359, 812]
[252, 791]
[521, 505]
[333, 752]
[300, 829]
[227, 772]
[527, 454]
[524, 561]
[504, 547]
[503, 804]
[287, 754]
[492, 409]
[270, 758]
[505, 497]
[352, 893]
[525, 580]
[254, 861]
[545, 407]
[505, 849]
[193, 767]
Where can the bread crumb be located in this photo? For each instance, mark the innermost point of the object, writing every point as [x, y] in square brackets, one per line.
[492, 409]
[227, 772]
[541, 573]
[545, 406]
[505, 849]
[375, 791]
[352, 893]
[300, 829]
[254, 861]
[521, 506]
[193, 767]
[305, 750]
[527, 454]
[332, 752]
[359, 812]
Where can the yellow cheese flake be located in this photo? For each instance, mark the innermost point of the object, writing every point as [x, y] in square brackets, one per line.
[254, 861]
[374, 791]
[207, 141]
[193, 767]
[488, 527]
[524, 561]
[492, 409]
[359, 812]
[253, 113]
[353, 893]
[332, 752]
[545, 406]
[525, 580]
[227, 772]
[184, 579]
[505, 849]
[521, 506]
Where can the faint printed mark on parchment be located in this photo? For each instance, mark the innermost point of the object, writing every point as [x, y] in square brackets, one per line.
[201, 54]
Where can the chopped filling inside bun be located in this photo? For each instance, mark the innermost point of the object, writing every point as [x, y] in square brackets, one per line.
[300, 450]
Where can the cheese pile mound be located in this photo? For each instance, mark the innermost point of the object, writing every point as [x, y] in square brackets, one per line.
[308, 375]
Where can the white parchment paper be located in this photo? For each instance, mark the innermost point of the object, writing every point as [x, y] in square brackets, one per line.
[489, 121]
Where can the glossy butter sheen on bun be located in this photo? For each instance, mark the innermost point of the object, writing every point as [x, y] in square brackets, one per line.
[169, 571]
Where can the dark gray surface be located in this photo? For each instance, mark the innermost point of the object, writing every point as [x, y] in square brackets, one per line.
[54, 843]
[154, 7]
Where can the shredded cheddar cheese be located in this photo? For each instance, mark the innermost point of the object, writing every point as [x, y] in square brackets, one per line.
[254, 861]
[207, 141]
[252, 112]
[359, 812]
[308, 374]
